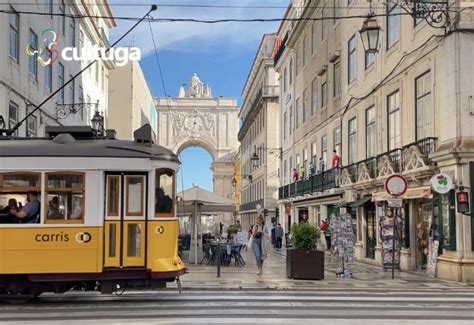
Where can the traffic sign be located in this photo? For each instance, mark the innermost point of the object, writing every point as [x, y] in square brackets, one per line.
[396, 185]
[441, 183]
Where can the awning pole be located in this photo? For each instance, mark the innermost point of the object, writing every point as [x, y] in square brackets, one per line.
[195, 233]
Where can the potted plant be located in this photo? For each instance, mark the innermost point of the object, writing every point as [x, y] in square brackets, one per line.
[232, 230]
[303, 261]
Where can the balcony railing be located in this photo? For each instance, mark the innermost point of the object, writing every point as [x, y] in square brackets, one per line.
[264, 92]
[251, 205]
[410, 157]
[313, 184]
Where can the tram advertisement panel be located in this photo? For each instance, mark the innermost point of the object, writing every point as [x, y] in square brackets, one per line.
[55, 250]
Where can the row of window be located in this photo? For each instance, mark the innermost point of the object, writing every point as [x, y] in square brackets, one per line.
[424, 127]
[14, 51]
[14, 118]
[303, 160]
[393, 35]
[255, 191]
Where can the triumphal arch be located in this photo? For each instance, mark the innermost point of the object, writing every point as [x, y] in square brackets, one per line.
[197, 119]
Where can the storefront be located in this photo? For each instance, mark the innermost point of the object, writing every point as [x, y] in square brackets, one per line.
[427, 218]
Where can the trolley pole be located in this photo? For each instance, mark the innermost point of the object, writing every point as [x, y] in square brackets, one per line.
[218, 260]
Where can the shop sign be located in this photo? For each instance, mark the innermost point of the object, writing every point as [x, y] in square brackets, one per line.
[441, 183]
[396, 185]
[395, 203]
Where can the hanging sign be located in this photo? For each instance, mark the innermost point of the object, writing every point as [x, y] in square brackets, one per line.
[396, 185]
[441, 183]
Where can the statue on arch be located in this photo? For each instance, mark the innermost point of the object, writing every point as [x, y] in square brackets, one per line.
[197, 87]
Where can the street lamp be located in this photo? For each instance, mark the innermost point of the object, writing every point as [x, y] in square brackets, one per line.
[370, 34]
[98, 123]
[234, 182]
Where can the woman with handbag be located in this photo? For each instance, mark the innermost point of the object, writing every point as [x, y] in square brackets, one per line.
[259, 242]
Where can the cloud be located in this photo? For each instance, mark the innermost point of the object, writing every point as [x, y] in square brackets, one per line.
[197, 37]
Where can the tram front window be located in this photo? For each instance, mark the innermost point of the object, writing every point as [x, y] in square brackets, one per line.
[164, 192]
[65, 197]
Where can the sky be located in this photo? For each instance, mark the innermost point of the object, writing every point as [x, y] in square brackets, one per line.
[221, 55]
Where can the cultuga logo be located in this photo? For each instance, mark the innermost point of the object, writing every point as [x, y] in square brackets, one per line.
[48, 54]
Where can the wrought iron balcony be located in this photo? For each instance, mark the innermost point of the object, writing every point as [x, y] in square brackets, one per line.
[313, 184]
[415, 155]
[409, 158]
[251, 205]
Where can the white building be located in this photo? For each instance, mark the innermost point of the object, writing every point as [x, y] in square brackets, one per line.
[25, 82]
[259, 136]
[131, 102]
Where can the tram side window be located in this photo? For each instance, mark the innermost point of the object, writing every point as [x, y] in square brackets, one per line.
[164, 192]
[20, 195]
[65, 196]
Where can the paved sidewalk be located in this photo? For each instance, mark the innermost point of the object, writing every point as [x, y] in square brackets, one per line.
[365, 277]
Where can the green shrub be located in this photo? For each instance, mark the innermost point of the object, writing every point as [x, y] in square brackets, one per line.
[305, 236]
[232, 229]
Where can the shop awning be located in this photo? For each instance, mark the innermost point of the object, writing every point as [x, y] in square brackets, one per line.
[412, 193]
[360, 202]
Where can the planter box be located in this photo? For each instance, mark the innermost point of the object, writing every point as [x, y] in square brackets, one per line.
[307, 265]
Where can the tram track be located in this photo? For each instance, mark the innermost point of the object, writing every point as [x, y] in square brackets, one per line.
[217, 305]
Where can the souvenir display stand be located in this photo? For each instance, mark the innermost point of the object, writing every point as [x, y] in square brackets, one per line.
[342, 242]
[389, 233]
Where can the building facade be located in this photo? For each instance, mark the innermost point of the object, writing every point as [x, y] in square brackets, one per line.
[258, 136]
[406, 110]
[131, 102]
[25, 82]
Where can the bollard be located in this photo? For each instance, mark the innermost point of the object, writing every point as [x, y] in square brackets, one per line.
[218, 260]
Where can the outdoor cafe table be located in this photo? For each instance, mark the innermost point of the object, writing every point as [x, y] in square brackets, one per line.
[226, 250]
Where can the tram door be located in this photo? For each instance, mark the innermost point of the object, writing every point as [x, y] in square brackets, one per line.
[125, 220]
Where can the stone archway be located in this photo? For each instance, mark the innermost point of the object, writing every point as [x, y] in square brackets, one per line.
[196, 119]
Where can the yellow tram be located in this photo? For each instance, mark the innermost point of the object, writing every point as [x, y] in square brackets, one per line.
[86, 212]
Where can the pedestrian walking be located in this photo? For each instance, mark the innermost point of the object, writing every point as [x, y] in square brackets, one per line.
[260, 238]
[273, 235]
[326, 229]
[279, 233]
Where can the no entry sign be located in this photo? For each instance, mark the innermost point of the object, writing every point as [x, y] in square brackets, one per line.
[396, 185]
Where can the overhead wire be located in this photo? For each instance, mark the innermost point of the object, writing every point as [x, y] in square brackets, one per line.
[205, 21]
[158, 60]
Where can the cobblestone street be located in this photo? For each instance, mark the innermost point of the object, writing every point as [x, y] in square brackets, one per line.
[365, 276]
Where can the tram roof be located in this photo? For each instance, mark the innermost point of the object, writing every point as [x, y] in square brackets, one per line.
[66, 145]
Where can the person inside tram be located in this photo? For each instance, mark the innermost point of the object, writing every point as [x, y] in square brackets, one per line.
[31, 211]
[164, 204]
[53, 208]
[5, 214]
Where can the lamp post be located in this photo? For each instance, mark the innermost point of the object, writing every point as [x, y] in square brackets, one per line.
[370, 34]
[435, 13]
[97, 122]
